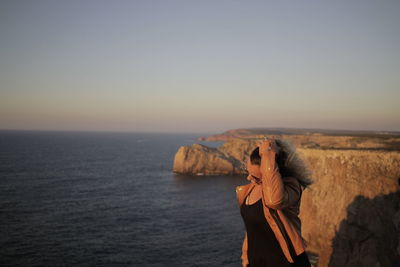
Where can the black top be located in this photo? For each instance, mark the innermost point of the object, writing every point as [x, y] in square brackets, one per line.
[263, 248]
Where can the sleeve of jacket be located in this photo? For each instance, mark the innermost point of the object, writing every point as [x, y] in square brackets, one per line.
[244, 257]
[277, 193]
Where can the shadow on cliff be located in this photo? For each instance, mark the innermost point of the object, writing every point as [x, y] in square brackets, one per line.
[369, 236]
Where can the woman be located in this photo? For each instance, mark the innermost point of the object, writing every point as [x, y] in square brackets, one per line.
[270, 206]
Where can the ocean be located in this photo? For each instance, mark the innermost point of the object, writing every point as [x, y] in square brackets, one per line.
[111, 199]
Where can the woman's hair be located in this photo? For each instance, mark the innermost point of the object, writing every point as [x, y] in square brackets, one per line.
[289, 162]
[255, 158]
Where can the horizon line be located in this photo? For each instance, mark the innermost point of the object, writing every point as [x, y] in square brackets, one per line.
[207, 132]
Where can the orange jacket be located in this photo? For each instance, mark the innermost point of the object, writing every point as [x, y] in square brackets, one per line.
[281, 204]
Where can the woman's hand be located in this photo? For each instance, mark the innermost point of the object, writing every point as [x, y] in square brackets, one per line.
[267, 146]
[268, 149]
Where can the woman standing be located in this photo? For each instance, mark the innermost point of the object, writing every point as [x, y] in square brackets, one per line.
[270, 205]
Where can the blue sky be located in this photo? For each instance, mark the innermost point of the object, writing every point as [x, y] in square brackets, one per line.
[199, 66]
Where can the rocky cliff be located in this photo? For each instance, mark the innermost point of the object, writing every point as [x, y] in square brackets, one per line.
[346, 214]
[202, 160]
[342, 177]
[325, 139]
[199, 159]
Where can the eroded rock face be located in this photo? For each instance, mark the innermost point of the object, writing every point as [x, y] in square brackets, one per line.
[341, 177]
[202, 160]
[345, 204]
[327, 139]
[367, 237]
[198, 159]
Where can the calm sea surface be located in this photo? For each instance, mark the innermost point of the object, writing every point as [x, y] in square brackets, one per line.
[111, 199]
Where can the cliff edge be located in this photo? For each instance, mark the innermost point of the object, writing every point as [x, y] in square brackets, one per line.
[350, 215]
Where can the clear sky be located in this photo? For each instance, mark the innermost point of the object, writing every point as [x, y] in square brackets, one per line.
[199, 66]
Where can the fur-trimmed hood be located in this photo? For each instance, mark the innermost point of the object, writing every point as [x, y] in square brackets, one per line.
[291, 164]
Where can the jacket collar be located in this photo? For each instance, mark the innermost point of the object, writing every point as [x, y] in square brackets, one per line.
[242, 191]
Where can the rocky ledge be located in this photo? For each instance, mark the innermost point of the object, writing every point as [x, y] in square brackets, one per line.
[227, 159]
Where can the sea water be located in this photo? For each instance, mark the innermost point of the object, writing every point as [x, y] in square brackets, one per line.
[111, 199]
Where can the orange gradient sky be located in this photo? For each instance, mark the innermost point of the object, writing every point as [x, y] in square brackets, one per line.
[199, 66]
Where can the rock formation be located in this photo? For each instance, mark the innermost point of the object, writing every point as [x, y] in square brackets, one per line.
[367, 237]
[199, 159]
[341, 177]
[202, 160]
[324, 139]
[350, 209]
